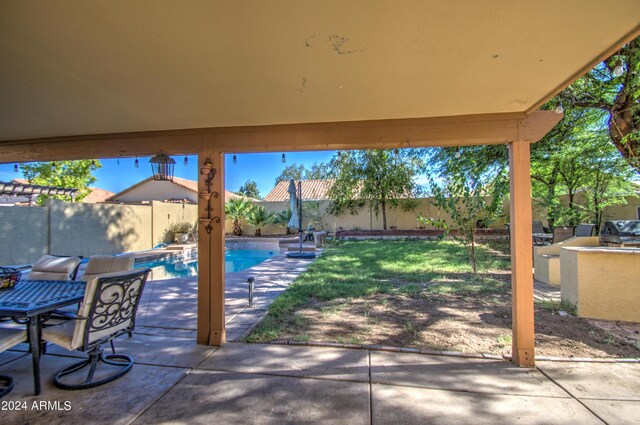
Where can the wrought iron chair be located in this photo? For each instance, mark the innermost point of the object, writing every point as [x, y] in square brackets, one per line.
[107, 312]
[8, 339]
[97, 265]
[585, 229]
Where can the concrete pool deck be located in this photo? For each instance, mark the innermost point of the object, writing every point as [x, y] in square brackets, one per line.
[168, 307]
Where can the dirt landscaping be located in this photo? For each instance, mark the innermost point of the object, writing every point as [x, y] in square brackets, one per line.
[426, 301]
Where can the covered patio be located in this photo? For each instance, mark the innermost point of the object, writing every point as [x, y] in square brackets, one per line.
[107, 80]
[176, 380]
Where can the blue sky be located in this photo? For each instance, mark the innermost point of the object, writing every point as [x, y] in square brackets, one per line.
[262, 168]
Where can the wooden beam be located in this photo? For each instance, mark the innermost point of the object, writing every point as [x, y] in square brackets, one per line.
[204, 262]
[401, 133]
[211, 276]
[521, 255]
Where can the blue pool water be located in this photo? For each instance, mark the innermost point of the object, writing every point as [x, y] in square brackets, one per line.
[234, 260]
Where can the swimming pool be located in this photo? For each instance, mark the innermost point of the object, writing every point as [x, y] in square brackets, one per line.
[234, 260]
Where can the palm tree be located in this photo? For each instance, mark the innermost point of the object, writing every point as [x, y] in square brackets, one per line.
[259, 217]
[236, 209]
[282, 219]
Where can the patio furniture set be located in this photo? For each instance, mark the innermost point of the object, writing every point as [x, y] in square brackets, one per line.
[50, 306]
[542, 236]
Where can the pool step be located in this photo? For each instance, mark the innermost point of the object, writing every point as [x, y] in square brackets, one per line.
[305, 247]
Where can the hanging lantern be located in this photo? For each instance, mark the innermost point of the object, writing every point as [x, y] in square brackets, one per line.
[162, 166]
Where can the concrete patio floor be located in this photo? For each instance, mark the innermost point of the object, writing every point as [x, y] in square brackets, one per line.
[177, 381]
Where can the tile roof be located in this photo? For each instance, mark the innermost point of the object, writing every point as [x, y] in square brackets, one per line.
[97, 195]
[315, 190]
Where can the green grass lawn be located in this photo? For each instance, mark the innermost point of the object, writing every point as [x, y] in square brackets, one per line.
[361, 269]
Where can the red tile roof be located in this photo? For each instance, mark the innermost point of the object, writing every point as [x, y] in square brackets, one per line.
[97, 195]
[312, 190]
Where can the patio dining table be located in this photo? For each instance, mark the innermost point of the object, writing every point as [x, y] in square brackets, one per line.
[542, 238]
[34, 300]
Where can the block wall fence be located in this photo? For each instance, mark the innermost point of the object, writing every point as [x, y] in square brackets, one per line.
[63, 228]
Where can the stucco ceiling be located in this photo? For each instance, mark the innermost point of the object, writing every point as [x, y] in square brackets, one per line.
[91, 67]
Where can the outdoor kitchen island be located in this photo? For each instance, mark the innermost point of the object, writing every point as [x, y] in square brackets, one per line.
[602, 282]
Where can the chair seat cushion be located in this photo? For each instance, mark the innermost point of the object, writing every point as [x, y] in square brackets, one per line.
[61, 335]
[11, 337]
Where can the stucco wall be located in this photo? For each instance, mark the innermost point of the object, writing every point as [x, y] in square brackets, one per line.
[165, 214]
[366, 219]
[604, 283]
[90, 229]
[24, 234]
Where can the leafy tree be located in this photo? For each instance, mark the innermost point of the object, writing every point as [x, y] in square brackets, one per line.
[237, 209]
[259, 217]
[318, 171]
[282, 219]
[250, 189]
[380, 177]
[313, 211]
[575, 160]
[293, 171]
[66, 174]
[617, 96]
[470, 200]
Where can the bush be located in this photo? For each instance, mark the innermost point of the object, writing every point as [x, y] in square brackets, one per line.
[180, 227]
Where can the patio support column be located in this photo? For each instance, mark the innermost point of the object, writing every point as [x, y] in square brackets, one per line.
[211, 285]
[521, 254]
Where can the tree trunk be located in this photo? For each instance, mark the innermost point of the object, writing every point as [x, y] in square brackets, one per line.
[473, 253]
[384, 214]
[237, 229]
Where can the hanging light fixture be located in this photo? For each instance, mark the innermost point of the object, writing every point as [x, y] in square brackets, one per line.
[618, 70]
[284, 158]
[54, 165]
[136, 163]
[162, 167]
[559, 108]
[186, 161]
[457, 154]
[118, 161]
[15, 168]
[339, 154]
[234, 159]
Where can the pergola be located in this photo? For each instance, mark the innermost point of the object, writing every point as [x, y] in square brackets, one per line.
[120, 78]
[23, 189]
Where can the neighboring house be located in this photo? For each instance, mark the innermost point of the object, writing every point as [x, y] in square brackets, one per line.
[312, 190]
[178, 190]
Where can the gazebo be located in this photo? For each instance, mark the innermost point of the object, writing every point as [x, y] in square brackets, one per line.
[114, 79]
